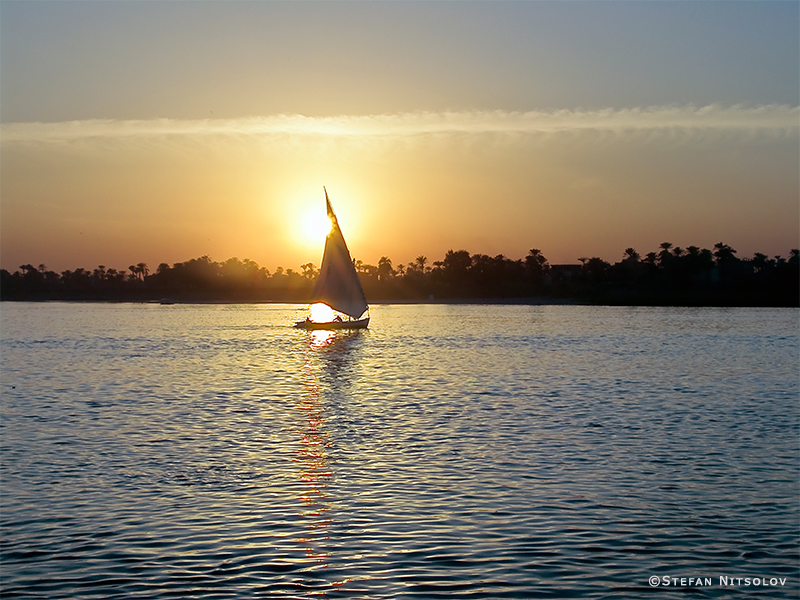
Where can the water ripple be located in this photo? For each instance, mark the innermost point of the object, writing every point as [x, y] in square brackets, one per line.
[458, 452]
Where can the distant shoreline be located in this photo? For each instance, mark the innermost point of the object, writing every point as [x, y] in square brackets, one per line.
[535, 301]
[670, 277]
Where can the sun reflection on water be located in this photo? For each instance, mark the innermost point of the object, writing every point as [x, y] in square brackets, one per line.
[319, 338]
[312, 458]
[327, 369]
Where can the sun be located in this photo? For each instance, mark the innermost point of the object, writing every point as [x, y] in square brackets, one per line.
[315, 226]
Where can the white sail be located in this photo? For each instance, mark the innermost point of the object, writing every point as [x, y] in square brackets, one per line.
[338, 285]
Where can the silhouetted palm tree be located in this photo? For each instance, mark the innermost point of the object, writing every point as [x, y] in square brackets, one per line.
[665, 256]
[723, 253]
[630, 255]
[310, 270]
[536, 266]
[794, 257]
[760, 262]
[420, 263]
[385, 270]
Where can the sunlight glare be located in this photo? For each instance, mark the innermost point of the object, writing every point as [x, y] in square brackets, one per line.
[316, 226]
[321, 338]
[321, 313]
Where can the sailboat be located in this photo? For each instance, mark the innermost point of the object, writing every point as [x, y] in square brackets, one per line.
[337, 285]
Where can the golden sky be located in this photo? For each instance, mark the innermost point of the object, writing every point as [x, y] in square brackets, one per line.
[108, 163]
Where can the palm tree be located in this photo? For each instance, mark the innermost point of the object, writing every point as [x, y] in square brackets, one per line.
[595, 269]
[456, 262]
[723, 253]
[630, 255]
[760, 262]
[664, 256]
[535, 256]
[420, 263]
[794, 256]
[385, 270]
[536, 265]
[310, 270]
[115, 276]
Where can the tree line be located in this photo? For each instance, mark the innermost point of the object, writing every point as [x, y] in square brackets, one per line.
[668, 276]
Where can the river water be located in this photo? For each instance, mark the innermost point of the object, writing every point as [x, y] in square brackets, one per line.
[211, 451]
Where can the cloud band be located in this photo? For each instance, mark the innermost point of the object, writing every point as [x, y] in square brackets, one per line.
[779, 119]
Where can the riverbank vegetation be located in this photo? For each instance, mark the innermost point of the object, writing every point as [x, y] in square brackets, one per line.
[668, 276]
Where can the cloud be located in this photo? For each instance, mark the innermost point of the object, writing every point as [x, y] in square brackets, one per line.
[776, 119]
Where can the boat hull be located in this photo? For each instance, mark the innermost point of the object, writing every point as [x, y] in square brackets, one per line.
[311, 325]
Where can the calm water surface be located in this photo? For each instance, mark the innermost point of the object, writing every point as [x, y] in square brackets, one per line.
[447, 452]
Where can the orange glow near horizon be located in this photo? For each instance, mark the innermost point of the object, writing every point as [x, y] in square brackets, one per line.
[74, 194]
